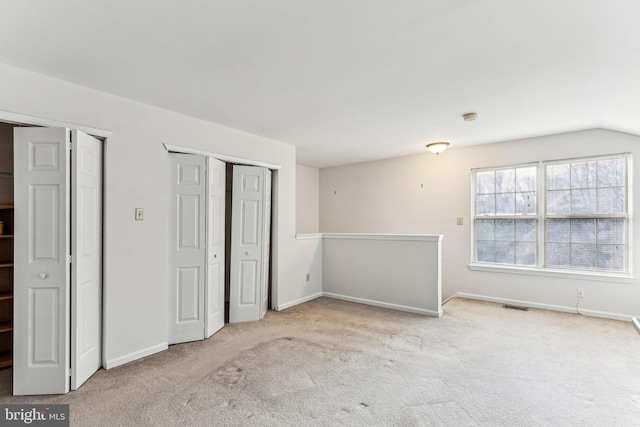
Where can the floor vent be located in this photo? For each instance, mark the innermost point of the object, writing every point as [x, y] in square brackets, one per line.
[516, 307]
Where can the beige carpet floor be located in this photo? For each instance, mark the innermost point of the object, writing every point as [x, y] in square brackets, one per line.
[330, 362]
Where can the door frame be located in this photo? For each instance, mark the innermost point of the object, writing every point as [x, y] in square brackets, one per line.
[275, 177]
[23, 119]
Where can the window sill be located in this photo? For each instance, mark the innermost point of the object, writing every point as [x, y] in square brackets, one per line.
[547, 272]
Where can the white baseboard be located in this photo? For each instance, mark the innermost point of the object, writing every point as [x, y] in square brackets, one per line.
[565, 309]
[408, 309]
[109, 364]
[298, 301]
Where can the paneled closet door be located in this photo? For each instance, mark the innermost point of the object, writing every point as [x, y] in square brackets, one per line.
[250, 231]
[41, 358]
[86, 265]
[187, 268]
[216, 193]
[57, 281]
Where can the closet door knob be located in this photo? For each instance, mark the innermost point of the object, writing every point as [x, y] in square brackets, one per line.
[215, 255]
[43, 275]
[248, 253]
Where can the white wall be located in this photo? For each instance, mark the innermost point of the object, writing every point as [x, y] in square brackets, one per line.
[400, 272]
[307, 199]
[425, 194]
[308, 223]
[137, 175]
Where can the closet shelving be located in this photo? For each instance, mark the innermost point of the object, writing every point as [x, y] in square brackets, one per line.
[6, 285]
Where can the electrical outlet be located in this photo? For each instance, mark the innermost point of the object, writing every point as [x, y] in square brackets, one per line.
[580, 292]
[139, 214]
[308, 276]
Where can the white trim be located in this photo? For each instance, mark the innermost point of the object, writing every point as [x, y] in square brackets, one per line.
[136, 355]
[565, 274]
[398, 307]
[310, 236]
[374, 236]
[231, 159]
[15, 118]
[564, 309]
[298, 301]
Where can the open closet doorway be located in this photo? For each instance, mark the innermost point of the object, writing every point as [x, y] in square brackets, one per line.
[52, 178]
[220, 226]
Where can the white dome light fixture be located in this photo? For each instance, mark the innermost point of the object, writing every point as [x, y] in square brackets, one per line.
[470, 117]
[437, 147]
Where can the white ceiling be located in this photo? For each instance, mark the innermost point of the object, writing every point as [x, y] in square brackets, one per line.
[348, 80]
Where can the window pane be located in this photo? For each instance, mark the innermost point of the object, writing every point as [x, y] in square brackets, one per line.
[610, 257]
[583, 175]
[505, 253]
[611, 173]
[526, 253]
[526, 203]
[485, 182]
[505, 181]
[558, 177]
[484, 230]
[526, 179]
[583, 255]
[486, 204]
[583, 231]
[505, 204]
[583, 201]
[558, 254]
[611, 200]
[611, 231]
[505, 230]
[558, 230]
[526, 230]
[485, 250]
[558, 202]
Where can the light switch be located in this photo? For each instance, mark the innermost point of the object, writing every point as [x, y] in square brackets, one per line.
[139, 214]
[460, 220]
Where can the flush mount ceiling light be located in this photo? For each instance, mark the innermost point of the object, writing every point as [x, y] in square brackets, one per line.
[470, 117]
[437, 147]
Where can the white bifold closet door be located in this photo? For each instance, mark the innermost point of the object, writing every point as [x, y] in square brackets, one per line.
[196, 286]
[250, 243]
[58, 260]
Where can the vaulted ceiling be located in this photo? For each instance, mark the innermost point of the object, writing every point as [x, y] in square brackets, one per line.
[348, 80]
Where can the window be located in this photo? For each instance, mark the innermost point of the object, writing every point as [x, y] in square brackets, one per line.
[570, 214]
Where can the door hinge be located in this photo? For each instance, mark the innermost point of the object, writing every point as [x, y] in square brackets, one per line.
[69, 372]
[69, 259]
[70, 146]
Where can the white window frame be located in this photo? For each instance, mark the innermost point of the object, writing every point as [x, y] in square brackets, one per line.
[539, 269]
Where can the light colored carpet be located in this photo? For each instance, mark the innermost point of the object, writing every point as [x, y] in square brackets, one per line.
[330, 362]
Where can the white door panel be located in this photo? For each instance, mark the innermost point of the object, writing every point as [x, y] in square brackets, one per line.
[41, 269]
[266, 238]
[188, 244]
[249, 241]
[216, 192]
[86, 267]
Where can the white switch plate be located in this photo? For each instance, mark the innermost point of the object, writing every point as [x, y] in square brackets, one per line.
[139, 214]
